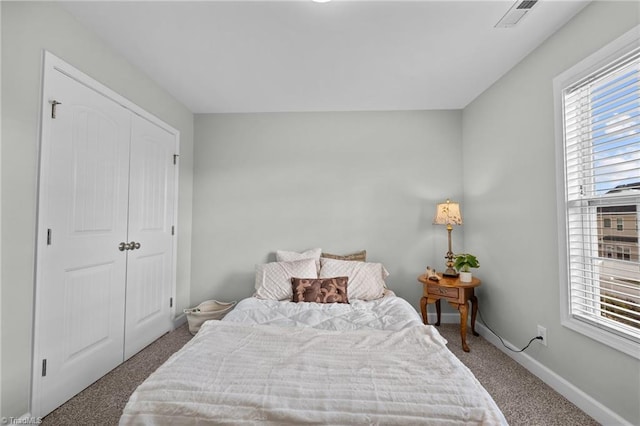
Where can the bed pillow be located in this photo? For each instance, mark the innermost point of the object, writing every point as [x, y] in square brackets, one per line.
[366, 280]
[359, 256]
[320, 290]
[273, 280]
[290, 256]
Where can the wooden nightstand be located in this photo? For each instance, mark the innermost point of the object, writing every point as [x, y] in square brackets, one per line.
[457, 294]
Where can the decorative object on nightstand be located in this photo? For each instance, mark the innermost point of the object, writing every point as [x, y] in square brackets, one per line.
[463, 263]
[432, 274]
[458, 294]
[448, 214]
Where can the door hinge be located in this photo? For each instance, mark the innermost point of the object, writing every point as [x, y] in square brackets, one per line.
[44, 367]
[54, 104]
[48, 237]
[173, 230]
[171, 302]
[175, 159]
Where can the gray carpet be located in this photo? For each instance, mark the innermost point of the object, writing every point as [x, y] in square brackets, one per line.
[523, 398]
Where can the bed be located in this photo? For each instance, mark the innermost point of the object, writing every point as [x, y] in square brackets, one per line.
[274, 361]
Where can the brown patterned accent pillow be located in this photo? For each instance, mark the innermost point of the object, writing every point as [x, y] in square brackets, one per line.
[320, 290]
[360, 256]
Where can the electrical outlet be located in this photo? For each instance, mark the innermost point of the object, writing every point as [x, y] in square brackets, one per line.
[542, 332]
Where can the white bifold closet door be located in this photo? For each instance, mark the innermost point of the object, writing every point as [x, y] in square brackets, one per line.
[149, 266]
[105, 271]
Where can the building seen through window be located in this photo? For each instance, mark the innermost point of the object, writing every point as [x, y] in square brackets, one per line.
[624, 237]
[619, 250]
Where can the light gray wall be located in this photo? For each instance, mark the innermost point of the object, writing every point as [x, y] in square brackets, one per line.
[510, 200]
[342, 181]
[27, 29]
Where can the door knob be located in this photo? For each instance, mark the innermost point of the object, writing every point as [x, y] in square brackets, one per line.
[129, 246]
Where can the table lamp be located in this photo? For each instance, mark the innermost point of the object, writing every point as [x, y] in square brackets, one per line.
[448, 213]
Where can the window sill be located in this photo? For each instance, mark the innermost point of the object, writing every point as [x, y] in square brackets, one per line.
[602, 336]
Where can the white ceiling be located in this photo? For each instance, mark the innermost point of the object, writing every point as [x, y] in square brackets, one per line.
[265, 56]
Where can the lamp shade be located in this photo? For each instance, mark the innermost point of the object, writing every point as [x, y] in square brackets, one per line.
[448, 213]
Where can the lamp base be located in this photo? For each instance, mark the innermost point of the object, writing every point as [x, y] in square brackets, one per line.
[450, 272]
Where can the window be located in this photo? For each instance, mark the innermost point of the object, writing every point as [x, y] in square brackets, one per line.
[598, 106]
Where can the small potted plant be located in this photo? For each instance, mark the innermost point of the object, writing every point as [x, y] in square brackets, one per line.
[463, 263]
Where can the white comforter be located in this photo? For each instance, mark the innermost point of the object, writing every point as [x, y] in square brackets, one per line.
[232, 373]
[387, 313]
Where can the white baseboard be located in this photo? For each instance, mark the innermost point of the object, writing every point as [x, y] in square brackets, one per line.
[445, 318]
[179, 320]
[585, 402]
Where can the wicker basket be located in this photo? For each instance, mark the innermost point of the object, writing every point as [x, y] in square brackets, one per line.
[207, 310]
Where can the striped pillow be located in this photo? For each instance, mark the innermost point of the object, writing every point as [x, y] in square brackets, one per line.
[360, 256]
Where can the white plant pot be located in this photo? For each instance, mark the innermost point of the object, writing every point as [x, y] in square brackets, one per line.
[465, 277]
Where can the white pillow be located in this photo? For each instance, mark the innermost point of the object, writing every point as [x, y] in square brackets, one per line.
[290, 256]
[366, 279]
[273, 280]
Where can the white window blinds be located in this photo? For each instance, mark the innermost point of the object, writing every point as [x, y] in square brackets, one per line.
[601, 124]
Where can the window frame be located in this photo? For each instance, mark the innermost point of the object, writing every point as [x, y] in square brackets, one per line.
[606, 55]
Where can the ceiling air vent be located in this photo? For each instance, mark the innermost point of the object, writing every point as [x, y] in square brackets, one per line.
[515, 13]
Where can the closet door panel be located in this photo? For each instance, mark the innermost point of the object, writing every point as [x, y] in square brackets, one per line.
[151, 207]
[84, 187]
